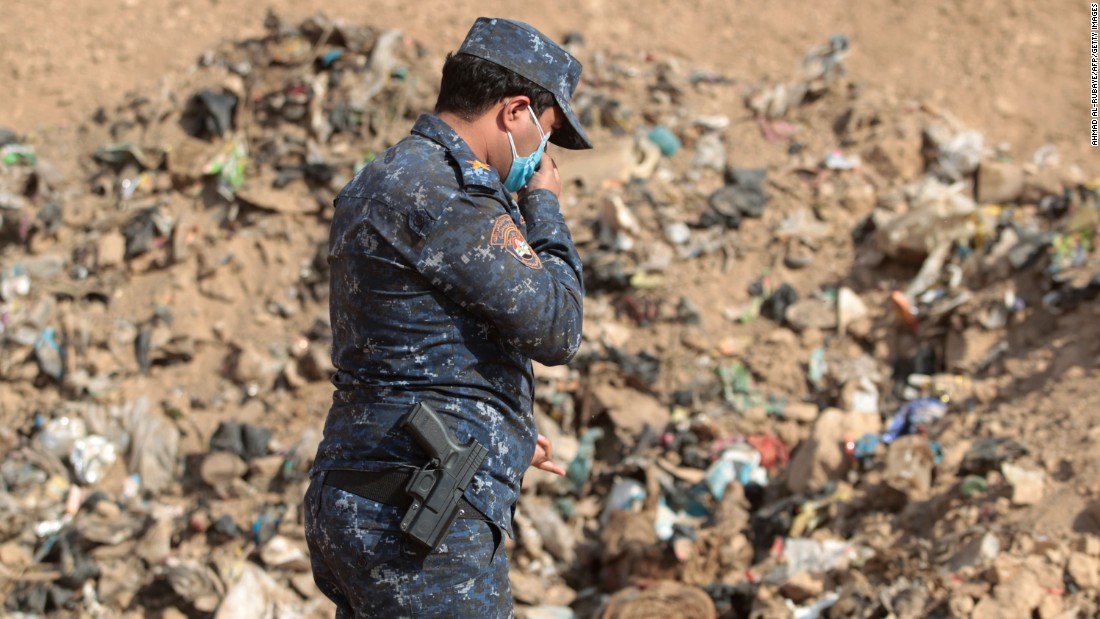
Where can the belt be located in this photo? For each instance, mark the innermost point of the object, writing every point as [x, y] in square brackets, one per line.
[387, 487]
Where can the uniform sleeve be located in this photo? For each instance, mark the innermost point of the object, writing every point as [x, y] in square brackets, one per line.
[529, 287]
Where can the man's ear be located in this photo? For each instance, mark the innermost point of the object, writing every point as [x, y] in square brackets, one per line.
[515, 110]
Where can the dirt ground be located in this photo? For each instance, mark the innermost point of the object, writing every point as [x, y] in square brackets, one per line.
[1015, 71]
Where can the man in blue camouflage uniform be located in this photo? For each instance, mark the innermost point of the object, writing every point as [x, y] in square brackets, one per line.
[443, 289]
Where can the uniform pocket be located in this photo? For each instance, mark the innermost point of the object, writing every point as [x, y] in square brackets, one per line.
[344, 510]
[466, 554]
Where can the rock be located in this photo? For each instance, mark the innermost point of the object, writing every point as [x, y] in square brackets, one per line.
[1051, 607]
[858, 198]
[696, 340]
[980, 550]
[14, 555]
[1090, 545]
[184, 235]
[1040, 184]
[744, 195]
[1019, 596]
[1027, 485]
[802, 412]
[305, 585]
[896, 158]
[988, 454]
[989, 608]
[281, 552]
[262, 195]
[220, 469]
[812, 313]
[661, 600]
[821, 457]
[1084, 570]
[849, 308]
[909, 464]
[546, 611]
[559, 595]
[526, 588]
[196, 583]
[803, 586]
[677, 233]
[613, 163]
[937, 214]
[111, 532]
[961, 604]
[970, 349]
[255, 594]
[1092, 513]
[173, 613]
[156, 545]
[187, 161]
[316, 364]
[1003, 569]
[243, 439]
[247, 365]
[557, 537]
[860, 395]
[998, 182]
[111, 250]
[119, 582]
[862, 329]
[630, 410]
[263, 470]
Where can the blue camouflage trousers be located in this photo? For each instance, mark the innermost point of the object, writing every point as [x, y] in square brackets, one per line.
[368, 567]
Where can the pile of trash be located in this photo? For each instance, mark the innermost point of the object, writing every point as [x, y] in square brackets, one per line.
[789, 399]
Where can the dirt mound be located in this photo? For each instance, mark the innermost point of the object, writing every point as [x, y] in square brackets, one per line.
[838, 360]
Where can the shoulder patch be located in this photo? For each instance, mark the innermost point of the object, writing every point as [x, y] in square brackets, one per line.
[476, 173]
[507, 235]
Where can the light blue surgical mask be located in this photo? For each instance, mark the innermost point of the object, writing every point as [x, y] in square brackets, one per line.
[523, 168]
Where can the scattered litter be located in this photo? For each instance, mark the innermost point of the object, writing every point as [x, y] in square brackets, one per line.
[789, 401]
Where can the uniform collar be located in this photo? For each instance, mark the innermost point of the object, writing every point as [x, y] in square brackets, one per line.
[474, 171]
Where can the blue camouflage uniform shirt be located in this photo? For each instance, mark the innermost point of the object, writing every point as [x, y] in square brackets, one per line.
[443, 289]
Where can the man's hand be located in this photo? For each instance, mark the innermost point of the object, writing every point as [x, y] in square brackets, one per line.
[543, 455]
[546, 177]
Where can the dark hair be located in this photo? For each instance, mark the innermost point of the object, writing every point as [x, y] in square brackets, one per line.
[472, 85]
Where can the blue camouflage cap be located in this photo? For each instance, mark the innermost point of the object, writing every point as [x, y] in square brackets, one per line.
[518, 47]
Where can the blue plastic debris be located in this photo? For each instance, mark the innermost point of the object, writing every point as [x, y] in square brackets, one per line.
[49, 354]
[331, 56]
[581, 467]
[816, 368]
[665, 139]
[913, 416]
[624, 496]
[862, 450]
[739, 462]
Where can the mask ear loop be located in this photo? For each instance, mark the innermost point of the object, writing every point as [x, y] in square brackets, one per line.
[512, 142]
[542, 134]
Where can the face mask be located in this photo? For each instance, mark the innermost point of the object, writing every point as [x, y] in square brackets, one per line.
[523, 168]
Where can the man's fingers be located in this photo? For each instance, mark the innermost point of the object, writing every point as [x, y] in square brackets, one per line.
[552, 467]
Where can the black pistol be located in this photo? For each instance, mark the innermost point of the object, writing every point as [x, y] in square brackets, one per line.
[436, 489]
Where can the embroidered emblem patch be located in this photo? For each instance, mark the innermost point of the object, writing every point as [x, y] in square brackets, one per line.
[477, 164]
[507, 235]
